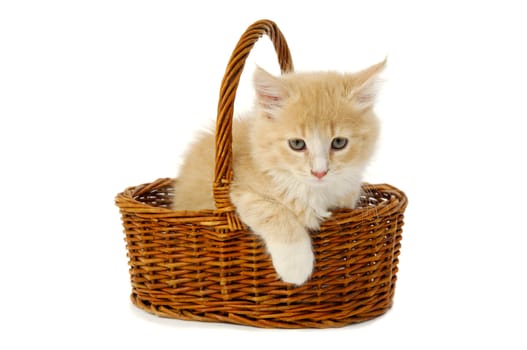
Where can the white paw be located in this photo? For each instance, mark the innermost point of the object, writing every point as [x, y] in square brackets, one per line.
[292, 261]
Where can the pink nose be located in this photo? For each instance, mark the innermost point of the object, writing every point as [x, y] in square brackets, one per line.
[319, 174]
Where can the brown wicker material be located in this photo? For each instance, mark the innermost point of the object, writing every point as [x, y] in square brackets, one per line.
[207, 266]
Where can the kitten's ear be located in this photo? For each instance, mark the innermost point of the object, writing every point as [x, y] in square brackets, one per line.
[366, 86]
[270, 93]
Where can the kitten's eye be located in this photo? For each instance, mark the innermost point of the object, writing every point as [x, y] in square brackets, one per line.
[297, 144]
[339, 143]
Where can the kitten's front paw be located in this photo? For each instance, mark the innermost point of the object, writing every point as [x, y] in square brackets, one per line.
[293, 261]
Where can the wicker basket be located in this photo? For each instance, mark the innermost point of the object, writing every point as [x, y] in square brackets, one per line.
[207, 266]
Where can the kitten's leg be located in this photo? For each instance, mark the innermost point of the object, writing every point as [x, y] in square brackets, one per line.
[287, 241]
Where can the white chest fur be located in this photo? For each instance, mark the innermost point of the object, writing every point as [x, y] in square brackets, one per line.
[312, 202]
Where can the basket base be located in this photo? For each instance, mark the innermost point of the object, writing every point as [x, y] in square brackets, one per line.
[280, 319]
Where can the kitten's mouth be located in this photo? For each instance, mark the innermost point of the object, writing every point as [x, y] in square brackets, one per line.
[317, 181]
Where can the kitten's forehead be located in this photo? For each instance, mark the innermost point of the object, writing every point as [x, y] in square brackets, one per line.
[317, 102]
[325, 119]
[318, 128]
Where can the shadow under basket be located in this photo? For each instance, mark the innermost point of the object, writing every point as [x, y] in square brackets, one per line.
[187, 265]
[207, 266]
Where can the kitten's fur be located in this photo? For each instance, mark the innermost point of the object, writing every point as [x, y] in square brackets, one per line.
[282, 193]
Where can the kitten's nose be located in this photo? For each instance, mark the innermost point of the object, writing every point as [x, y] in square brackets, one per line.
[319, 174]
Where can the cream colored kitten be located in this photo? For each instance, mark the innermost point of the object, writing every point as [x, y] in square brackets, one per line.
[300, 154]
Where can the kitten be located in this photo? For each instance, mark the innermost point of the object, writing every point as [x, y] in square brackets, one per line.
[300, 154]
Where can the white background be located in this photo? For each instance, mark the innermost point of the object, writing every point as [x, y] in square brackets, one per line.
[96, 96]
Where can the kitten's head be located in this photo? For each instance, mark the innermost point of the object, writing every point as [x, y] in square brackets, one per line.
[317, 128]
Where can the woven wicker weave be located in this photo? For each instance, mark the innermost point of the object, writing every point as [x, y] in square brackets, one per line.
[206, 265]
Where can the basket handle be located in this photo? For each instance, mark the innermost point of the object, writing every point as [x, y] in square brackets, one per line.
[229, 85]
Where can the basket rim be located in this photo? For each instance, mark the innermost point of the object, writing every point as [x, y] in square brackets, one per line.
[395, 200]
